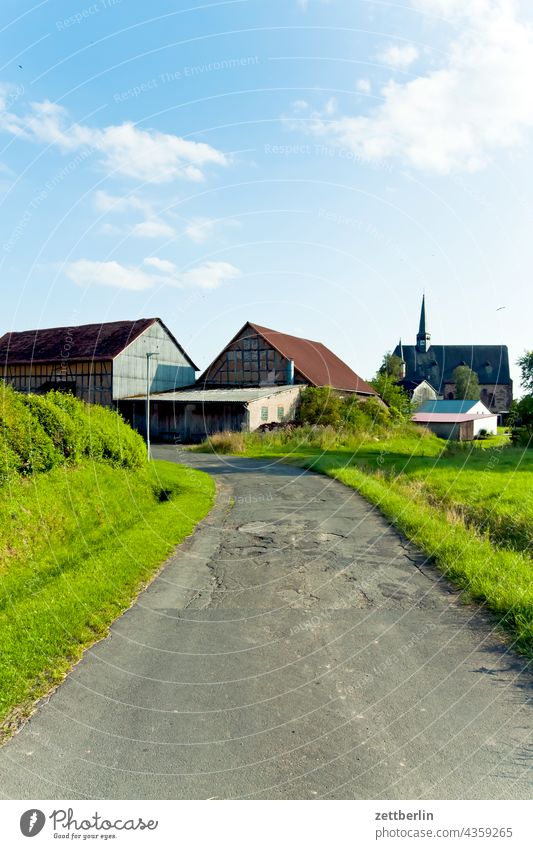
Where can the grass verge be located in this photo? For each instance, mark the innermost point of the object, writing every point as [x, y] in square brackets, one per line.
[76, 546]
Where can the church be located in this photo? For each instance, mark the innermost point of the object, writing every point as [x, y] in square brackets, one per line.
[435, 364]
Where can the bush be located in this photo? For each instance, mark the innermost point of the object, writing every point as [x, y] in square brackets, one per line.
[522, 437]
[59, 426]
[27, 446]
[320, 405]
[38, 432]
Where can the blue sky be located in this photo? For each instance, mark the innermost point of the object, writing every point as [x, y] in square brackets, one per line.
[310, 166]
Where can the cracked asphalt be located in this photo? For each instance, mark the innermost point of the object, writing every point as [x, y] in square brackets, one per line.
[295, 647]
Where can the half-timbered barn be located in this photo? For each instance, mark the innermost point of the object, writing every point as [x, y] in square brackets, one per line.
[256, 380]
[99, 363]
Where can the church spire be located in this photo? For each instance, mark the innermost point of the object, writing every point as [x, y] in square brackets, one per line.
[423, 337]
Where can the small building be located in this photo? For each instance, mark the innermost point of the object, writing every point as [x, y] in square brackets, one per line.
[436, 364]
[190, 415]
[418, 391]
[460, 420]
[471, 407]
[99, 363]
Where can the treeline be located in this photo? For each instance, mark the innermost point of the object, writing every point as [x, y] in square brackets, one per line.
[40, 432]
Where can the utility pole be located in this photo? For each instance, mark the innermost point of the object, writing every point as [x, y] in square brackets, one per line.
[149, 356]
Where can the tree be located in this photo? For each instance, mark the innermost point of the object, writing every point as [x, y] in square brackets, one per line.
[392, 366]
[526, 364]
[466, 384]
[320, 405]
[394, 396]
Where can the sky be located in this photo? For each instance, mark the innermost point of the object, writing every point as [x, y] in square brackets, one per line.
[313, 166]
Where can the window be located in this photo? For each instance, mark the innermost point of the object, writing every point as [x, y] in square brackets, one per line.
[281, 413]
[264, 414]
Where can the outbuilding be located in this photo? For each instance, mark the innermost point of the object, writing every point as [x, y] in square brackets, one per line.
[459, 426]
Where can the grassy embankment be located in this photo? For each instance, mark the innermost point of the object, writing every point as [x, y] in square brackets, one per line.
[469, 508]
[85, 523]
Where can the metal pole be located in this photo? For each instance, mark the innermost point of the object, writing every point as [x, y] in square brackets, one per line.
[148, 405]
[149, 355]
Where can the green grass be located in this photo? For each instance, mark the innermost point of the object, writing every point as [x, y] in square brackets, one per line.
[469, 507]
[77, 544]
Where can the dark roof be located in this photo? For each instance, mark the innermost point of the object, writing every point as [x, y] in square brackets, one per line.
[422, 325]
[312, 360]
[411, 385]
[437, 364]
[85, 342]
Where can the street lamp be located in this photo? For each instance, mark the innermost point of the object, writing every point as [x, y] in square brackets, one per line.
[149, 356]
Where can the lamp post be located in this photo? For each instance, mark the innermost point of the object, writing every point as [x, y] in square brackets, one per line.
[149, 356]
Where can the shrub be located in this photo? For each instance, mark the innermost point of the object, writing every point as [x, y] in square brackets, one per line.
[320, 405]
[59, 426]
[38, 432]
[27, 445]
[112, 440]
[522, 437]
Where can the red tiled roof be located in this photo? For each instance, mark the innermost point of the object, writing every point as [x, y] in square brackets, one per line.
[312, 360]
[315, 362]
[85, 342]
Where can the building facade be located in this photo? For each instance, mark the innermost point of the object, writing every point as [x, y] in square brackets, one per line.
[98, 363]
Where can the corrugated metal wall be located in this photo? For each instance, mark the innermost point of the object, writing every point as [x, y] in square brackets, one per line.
[169, 370]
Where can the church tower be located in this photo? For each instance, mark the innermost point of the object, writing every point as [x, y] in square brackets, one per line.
[423, 337]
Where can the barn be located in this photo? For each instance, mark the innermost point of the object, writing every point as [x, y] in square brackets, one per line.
[256, 379]
[99, 363]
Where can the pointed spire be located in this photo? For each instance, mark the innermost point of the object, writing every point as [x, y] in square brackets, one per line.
[423, 337]
[422, 328]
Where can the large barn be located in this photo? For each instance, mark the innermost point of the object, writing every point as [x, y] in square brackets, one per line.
[99, 363]
[255, 380]
[436, 364]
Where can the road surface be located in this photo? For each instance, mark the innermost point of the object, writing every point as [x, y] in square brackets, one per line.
[296, 647]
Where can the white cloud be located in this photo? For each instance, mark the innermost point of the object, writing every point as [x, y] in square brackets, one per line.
[457, 117]
[124, 149]
[300, 105]
[210, 275]
[105, 202]
[161, 264]
[153, 228]
[89, 273]
[364, 86]
[86, 272]
[199, 229]
[399, 55]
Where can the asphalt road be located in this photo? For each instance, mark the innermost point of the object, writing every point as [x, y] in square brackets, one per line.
[295, 647]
